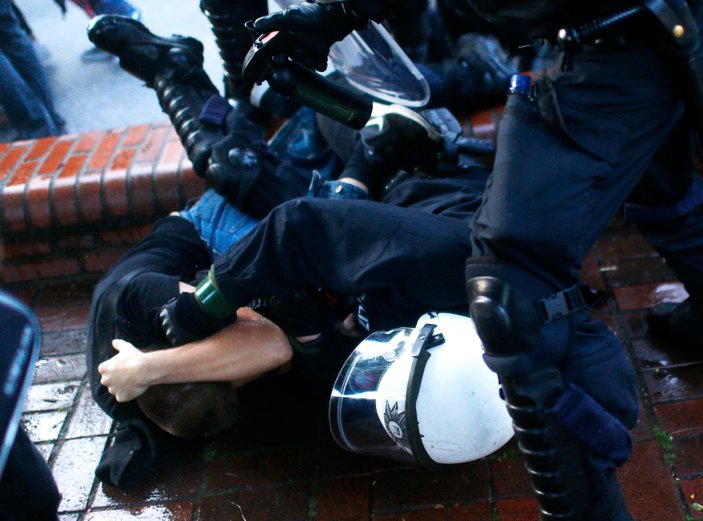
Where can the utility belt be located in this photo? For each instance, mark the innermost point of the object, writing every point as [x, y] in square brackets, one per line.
[671, 20]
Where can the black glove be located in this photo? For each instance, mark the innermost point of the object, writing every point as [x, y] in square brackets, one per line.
[184, 320]
[311, 29]
[401, 139]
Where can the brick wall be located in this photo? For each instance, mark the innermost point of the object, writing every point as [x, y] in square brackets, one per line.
[72, 205]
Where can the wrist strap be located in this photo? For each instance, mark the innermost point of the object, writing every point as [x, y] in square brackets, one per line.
[211, 299]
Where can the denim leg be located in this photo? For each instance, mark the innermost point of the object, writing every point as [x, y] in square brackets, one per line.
[27, 114]
[19, 55]
[219, 223]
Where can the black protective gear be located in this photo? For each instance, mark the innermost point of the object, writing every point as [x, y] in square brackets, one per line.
[184, 320]
[558, 465]
[173, 68]
[681, 323]
[131, 457]
[142, 53]
[302, 313]
[234, 165]
[478, 75]
[227, 19]
[312, 28]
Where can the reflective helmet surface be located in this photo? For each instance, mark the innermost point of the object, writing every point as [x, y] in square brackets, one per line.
[371, 61]
[395, 399]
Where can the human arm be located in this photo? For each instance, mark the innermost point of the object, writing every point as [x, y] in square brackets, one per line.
[240, 352]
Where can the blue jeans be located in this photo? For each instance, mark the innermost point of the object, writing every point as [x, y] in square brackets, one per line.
[302, 151]
[24, 87]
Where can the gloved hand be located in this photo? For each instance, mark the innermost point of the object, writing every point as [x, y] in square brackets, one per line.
[184, 320]
[311, 29]
[400, 138]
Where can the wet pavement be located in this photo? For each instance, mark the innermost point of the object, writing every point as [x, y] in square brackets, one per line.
[280, 463]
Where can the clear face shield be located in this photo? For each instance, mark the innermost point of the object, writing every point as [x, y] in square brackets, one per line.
[373, 63]
[355, 401]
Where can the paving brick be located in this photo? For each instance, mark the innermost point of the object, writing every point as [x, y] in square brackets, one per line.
[51, 397]
[411, 489]
[643, 429]
[74, 291]
[135, 135]
[264, 467]
[681, 418]
[647, 295]
[290, 503]
[88, 140]
[675, 383]
[43, 426]
[38, 202]
[688, 461]
[87, 418]
[73, 468]
[636, 323]
[54, 369]
[478, 512]
[653, 353]
[140, 190]
[152, 145]
[179, 478]
[125, 236]
[13, 198]
[166, 177]
[191, 185]
[510, 478]
[648, 485]
[99, 261]
[336, 462]
[68, 243]
[483, 124]
[41, 148]
[62, 318]
[10, 161]
[693, 492]
[64, 191]
[172, 511]
[56, 157]
[623, 242]
[104, 151]
[518, 509]
[12, 250]
[345, 499]
[629, 272]
[44, 269]
[63, 342]
[88, 190]
[115, 183]
[25, 294]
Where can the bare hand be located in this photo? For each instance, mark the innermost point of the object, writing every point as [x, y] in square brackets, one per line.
[121, 374]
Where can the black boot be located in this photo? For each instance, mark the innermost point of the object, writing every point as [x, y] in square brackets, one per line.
[142, 53]
[681, 323]
[173, 68]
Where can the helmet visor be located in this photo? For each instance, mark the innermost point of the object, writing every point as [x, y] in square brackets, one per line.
[354, 416]
[372, 62]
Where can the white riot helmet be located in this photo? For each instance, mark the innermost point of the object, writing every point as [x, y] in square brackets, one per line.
[422, 395]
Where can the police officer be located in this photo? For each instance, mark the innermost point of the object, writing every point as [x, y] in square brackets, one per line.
[606, 128]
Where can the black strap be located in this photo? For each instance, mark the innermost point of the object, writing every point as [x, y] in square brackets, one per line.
[564, 303]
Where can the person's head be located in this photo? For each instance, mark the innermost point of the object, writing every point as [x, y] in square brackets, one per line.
[191, 410]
